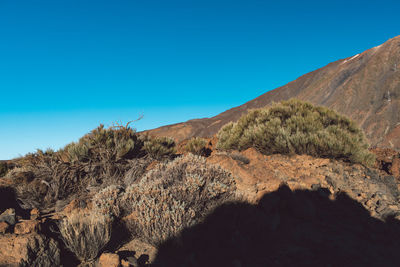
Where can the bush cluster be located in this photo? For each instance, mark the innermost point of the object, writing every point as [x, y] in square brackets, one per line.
[297, 127]
[176, 195]
[105, 144]
[196, 146]
[100, 158]
[169, 198]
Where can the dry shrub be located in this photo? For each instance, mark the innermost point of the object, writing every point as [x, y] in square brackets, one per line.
[51, 183]
[77, 152]
[3, 169]
[196, 146]
[137, 169]
[57, 181]
[97, 160]
[175, 195]
[297, 127]
[160, 147]
[85, 234]
[107, 200]
[106, 144]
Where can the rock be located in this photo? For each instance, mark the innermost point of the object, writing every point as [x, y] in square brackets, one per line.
[8, 216]
[141, 250]
[388, 160]
[29, 250]
[109, 260]
[125, 263]
[4, 227]
[26, 227]
[372, 188]
[35, 214]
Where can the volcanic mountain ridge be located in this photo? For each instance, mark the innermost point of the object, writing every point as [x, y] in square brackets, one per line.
[364, 87]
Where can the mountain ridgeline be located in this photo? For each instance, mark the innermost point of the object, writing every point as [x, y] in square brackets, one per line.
[364, 87]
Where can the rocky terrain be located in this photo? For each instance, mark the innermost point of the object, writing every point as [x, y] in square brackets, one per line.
[364, 87]
[297, 186]
[301, 209]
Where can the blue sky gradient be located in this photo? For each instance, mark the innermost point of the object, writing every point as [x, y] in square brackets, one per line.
[68, 65]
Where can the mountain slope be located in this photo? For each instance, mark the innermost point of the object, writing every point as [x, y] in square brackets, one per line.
[365, 87]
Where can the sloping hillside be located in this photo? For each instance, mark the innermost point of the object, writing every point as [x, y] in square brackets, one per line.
[365, 87]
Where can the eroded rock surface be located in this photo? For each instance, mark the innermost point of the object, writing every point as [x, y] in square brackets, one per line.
[376, 191]
[28, 250]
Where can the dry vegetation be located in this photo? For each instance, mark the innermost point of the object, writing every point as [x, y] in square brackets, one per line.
[297, 127]
[3, 169]
[98, 159]
[85, 234]
[196, 146]
[169, 198]
[109, 167]
[160, 147]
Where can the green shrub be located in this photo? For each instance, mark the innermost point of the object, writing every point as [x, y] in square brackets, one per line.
[297, 127]
[196, 146]
[175, 195]
[113, 143]
[160, 147]
[77, 152]
[3, 169]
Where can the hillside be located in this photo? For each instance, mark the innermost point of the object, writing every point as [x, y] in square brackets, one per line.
[364, 87]
[291, 185]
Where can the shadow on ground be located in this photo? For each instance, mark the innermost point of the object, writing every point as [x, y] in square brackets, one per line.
[287, 228]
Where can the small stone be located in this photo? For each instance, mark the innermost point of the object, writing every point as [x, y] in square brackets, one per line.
[109, 260]
[35, 214]
[8, 216]
[4, 227]
[125, 263]
[26, 227]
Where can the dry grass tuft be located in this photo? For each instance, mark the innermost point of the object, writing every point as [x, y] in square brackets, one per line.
[85, 234]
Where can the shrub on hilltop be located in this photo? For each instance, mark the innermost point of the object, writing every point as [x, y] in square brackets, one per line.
[106, 144]
[297, 127]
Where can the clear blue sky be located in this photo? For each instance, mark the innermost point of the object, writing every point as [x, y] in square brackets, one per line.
[68, 65]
